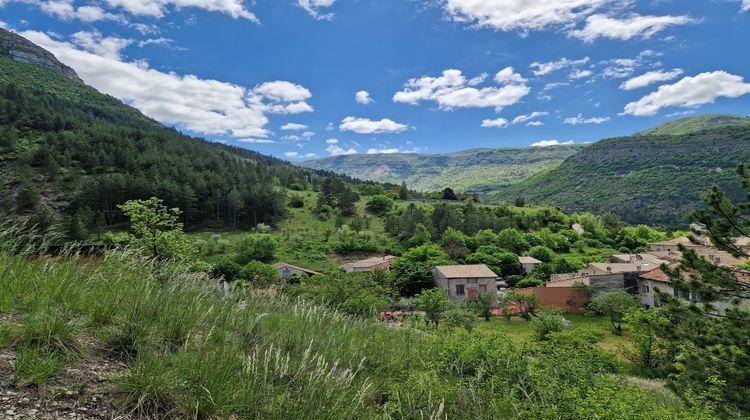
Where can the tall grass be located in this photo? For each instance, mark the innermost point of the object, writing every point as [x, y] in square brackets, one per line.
[195, 348]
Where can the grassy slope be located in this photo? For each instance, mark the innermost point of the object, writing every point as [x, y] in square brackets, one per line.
[699, 123]
[645, 179]
[169, 343]
[476, 169]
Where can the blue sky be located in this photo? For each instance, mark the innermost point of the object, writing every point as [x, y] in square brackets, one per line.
[283, 76]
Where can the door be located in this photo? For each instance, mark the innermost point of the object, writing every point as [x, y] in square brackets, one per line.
[472, 294]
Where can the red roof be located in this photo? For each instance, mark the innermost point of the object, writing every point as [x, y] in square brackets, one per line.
[657, 275]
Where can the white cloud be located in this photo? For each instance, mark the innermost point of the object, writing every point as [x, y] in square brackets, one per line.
[159, 8]
[580, 74]
[541, 69]
[496, 123]
[332, 141]
[745, 6]
[367, 126]
[385, 151]
[95, 43]
[205, 106]
[293, 127]
[311, 155]
[451, 90]
[502, 122]
[534, 124]
[633, 26]
[521, 15]
[292, 154]
[363, 97]
[650, 78]
[555, 85]
[523, 118]
[161, 41]
[603, 18]
[690, 92]
[281, 91]
[313, 7]
[256, 141]
[65, 10]
[336, 150]
[548, 143]
[580, 120]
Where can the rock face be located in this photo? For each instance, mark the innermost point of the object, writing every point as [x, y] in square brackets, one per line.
[22, 50]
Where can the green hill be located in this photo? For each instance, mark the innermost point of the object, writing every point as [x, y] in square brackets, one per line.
[699, 123]
[481, 170]
[653, 179]
[66, 149]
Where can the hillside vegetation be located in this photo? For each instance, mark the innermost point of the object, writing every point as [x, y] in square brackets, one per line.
[128, 336]
[652, 179]
[698, 123]
[480, 170]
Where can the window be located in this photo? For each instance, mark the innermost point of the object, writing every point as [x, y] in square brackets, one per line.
[483, 288]
[644, 289]
[460, 289]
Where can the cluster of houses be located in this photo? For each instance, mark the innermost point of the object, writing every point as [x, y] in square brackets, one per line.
[636, 273]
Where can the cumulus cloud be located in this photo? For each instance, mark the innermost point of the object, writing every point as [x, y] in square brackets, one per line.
[600, 18]
[256, 141]
[580, 74]
[634, 26]
[548, 143]
[650, 78]
[205, 106]
[451, 90]
[520, 119]
[292, 154]
[65, 10]
[580, 120]
[745, 5]
[332, 141]
[336, 150]
[690, 92]
[159, 8]
[541, 69]
[534, 124]
[293, 127]
[496, 123]
[363, 97]
[104, 46]
[368, 126]
[314, 7]
[385, 151]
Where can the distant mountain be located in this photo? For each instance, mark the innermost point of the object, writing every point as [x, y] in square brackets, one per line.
[481, 170]
[646, 178]
[698, 123]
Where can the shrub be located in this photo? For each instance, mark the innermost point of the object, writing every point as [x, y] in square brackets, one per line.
[542, 253]
[150, 389]
[296, 201]
[259, 274]
[260, 247]
[614, 305]
[459, 317]
[226, 269]
[529, 282]
[546, 323]
[379, 204]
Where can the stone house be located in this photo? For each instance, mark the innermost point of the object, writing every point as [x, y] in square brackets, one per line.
[528, 264]
[369, 264]
[465, 282]
[287, 270]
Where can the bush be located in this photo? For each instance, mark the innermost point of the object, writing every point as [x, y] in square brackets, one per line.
[546, 323]
[259, 247]
[542, 253]
[226, 268]
[296, 201]
[379, 205]
[259, 274]
[529, 282]
[459, 317]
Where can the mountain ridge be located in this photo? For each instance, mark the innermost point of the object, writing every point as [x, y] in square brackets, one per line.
[21, 50]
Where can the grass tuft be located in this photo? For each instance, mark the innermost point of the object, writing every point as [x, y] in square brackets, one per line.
[34, 366]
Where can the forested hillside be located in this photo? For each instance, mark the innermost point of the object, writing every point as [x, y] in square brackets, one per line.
[480, 170]
[66, 149]
[653, 179]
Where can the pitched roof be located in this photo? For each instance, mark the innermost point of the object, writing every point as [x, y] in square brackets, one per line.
[682, 240]
[528, 260]
[476, 271]
[619, 268]
[656, 275]
[281, 265]
[369, 262]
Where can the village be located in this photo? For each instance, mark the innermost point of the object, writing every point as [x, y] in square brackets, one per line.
[641, 274]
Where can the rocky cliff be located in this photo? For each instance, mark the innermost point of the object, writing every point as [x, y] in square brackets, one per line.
[22, 50]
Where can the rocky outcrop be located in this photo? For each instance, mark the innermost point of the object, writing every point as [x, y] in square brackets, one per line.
[19, 49]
